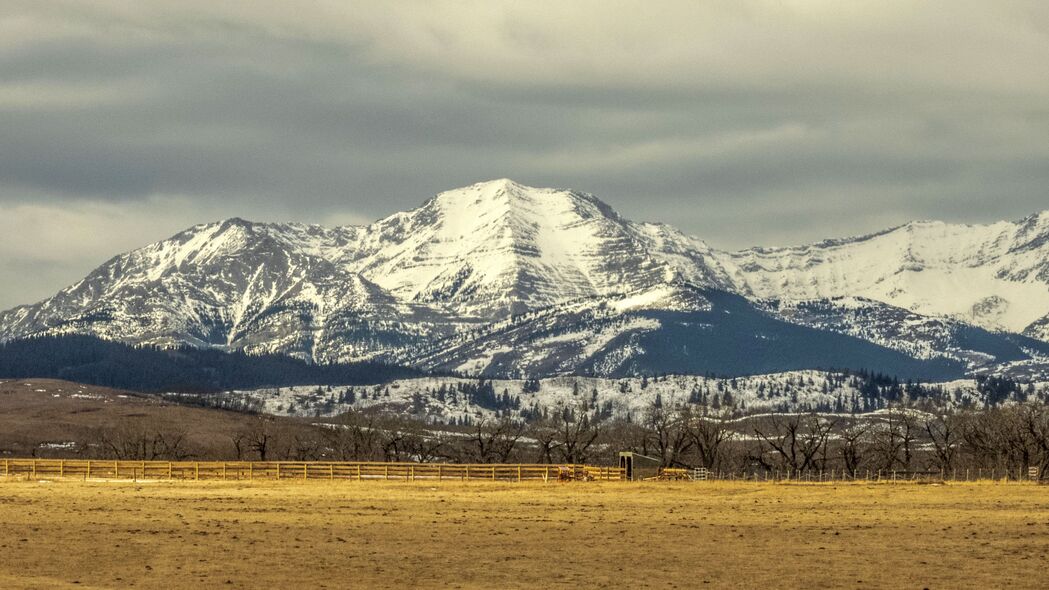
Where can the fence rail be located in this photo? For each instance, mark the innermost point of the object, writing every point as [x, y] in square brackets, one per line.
[361, 471]
[301, 470]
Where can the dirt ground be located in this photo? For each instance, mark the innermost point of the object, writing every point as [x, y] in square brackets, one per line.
[479, 535]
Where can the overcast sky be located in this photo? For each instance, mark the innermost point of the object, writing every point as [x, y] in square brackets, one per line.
[742, 122]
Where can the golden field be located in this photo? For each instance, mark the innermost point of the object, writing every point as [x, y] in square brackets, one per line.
[73, 534]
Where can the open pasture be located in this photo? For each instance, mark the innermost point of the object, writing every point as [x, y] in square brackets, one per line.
[67, 534]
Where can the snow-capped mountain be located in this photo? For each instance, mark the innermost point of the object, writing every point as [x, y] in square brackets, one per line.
[499, 248]
[502, 279]
[994, 276]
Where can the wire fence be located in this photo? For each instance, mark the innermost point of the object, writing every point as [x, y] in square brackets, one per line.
[1008, 475]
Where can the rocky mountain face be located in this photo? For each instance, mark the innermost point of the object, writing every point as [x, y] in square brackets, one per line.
[502, 279]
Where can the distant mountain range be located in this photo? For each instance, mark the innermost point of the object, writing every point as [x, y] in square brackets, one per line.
[500, 279]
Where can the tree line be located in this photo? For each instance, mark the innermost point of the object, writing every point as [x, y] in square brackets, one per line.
[1002, 440]
[86, 359]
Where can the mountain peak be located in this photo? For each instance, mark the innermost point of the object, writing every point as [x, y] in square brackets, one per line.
[500, 192]
[501, 184]
[505, 198]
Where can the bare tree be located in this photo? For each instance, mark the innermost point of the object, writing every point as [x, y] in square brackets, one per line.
[671, 437]
[137, 440]
[305, 445]
[239, 439]
[575, 436]
[545, 434]
[708, 436]
[262, 438]
[1035, 421]
[799, 442]
[894, 441]
[945, 438]
[494, 441]
[426, 446]
[355, 436]
[850, 447]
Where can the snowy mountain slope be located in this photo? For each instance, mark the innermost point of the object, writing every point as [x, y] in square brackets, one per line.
[678, 329]
[994, 276]
[503, 279]
[591, 335]
[499, 248]
[918, 336]
[1039, 329]
[230, 285]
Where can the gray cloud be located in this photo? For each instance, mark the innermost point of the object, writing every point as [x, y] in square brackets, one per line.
[753, 122]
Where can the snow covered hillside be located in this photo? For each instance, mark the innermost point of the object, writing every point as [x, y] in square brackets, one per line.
[456, 400]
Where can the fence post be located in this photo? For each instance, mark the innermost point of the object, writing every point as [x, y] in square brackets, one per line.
[223, 471]
[518, 472]
[305, 471]
[196, 471]
[467, 473]
[358, 472]
[116, 469]
[88, 476]
[34, 468]
[411, 473]
[62, 468]
[169, 471]
[331, 471]
[493, 472]
[440, 471]
[386, 473]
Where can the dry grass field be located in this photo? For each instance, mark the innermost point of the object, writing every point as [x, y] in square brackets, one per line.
[479, 535]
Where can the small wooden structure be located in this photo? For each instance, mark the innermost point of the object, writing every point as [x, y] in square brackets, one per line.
[636, 467]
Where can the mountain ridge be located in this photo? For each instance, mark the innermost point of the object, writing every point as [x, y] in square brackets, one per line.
[494, 250]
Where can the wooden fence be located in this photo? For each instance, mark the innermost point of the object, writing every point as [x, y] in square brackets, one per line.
[301, 470]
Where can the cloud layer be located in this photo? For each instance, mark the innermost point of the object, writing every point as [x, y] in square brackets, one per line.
[751, 122]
